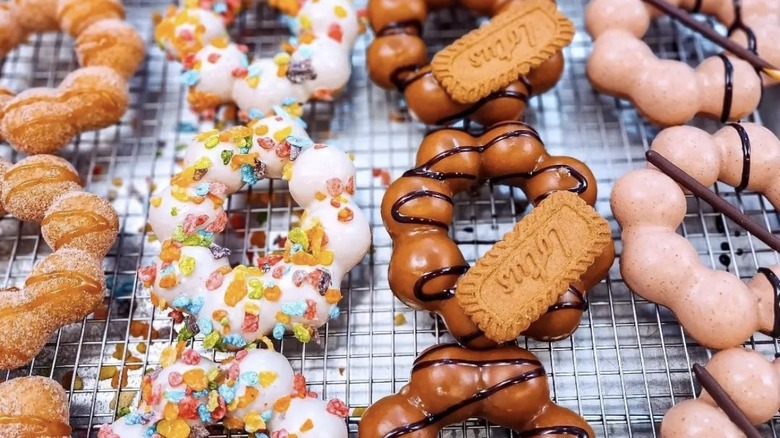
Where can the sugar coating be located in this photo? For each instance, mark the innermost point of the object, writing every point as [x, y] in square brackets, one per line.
[315, 62]
[33, 398]
[295, 290]
[255, 391]
[81, 220]
[63, 288]
[30, 186]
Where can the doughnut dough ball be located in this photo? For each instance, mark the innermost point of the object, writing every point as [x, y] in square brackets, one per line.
[81, 220]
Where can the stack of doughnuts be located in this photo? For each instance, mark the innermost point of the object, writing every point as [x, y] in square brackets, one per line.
[669, 92]
[255, 391]
[67, 285]
[398, 59]
[316, 63]
[715, 307]
[297, 289]
[95, 96]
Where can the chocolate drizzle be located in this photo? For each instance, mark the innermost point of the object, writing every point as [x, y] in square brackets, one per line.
[503, 94]
[425, 171]
[401, 28]
[434, 418]
[746, 151]
[728, 91]
[738, 24]
[581, 303]
[696, 6]
[775, 282]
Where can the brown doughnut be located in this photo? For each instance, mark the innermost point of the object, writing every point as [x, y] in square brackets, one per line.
[111, 43]
[76, 15]
[417, 211]
[30, 186]
[63, 288]
[33, 407]
[80, 220]
[397, 59]
[507, 386]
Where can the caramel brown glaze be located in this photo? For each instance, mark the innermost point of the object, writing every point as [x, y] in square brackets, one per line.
[397, 59]
[507, 386]
[417, 211]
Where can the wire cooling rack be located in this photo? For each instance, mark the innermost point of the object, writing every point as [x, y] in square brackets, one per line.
[625, 366]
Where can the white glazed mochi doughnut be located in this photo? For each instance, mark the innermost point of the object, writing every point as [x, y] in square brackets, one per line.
[255, 391]
[323, 170]
[212, 84]
[185, 31]
[335, 18]
[349, 241]
[332, 66]
[263, 88]
[209, 216]
[278, 140]
[215, 151]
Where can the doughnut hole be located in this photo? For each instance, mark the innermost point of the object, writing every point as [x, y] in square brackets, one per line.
[692, 150]
[438, 143]
[659, 266]
[667, 92]
[73, 273]
[695, 418]
[614, 61]
[30, 186]
[406, 195]
[38, 15]
[81, 220]
[96, 96]
[111, 43]
[389, 53]
[544, 77]
[631, 15]
[718, 311]
[746, 84]
[491, 111]
[419, 254]
[429, 103]
[380, 13]
[749, 379]
[77, 15]
[647, 197]
[28, 125]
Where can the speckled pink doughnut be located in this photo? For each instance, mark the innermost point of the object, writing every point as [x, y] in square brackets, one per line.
[669, 92]
[752, 381]
[715, 307]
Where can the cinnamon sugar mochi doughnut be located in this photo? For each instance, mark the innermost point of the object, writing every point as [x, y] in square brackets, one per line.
[417, 211]
[95, 96]
[450, 384]
[66, 286]
[33, 407]
[752, 381]
[255, 391]
[715, 307]
[315, 63]
[297, 289]
[669, 92]
[398, 59]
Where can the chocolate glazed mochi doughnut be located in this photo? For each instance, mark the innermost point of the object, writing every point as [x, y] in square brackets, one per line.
[670, 92]
[418, 207]
[397, 59]
[449, 384]
[715, 307]
[752, 382]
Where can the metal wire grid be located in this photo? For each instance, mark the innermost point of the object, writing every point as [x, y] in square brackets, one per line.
[628, 362]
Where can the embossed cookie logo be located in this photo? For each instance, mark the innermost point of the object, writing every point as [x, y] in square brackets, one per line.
[525, 273]
[493, 56]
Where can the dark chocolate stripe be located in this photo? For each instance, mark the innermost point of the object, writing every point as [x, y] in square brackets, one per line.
[555, 430]
[728, 92]
[469, 338]
[775, 282]
[395, 212]
[696, 7]
[582, 182]
[432, 275]
[397, 77]
[580, 304]
[401, 27]
[474, 363]
[746, 151]
[738, 24]
[431, 419]
[503, 94]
